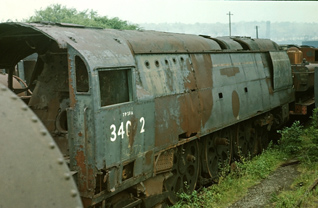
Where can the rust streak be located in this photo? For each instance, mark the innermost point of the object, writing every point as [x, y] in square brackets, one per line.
[269, 85]
[190, 113]
[230, 72]
[235, 104]
[71, 88]
[148, 157]
[85, 173]
[132, 133]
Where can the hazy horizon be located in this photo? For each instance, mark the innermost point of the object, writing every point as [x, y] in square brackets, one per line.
[174, 11]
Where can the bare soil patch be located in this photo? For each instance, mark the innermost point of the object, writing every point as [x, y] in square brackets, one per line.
[260, 194]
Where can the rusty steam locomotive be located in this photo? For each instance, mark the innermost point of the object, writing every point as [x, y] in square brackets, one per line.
[132, 116]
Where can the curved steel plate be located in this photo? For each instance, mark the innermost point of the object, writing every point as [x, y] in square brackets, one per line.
[33, 171]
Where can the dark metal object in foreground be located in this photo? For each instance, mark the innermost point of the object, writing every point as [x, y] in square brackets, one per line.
[33, 170]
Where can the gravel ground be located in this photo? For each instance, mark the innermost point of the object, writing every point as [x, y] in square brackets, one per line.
[260, 194]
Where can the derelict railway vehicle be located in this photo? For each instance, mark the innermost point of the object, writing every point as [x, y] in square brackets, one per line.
[139, 114]
[303, 64]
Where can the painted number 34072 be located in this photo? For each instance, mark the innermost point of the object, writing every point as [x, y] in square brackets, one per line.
[124, 129]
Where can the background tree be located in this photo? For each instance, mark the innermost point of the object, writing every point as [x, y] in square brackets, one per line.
[89, 18]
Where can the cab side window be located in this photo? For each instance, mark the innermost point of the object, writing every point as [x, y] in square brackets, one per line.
[114, 86]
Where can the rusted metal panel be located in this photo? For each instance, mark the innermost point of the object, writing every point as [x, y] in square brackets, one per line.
[310, 54]
[190, 113]
[167, 120]
[81, 132]
[246, 43]
[162, 75]
[230, 43]
[160, 42]
[303, 76]
[295, 55]
[164, 161]
[127, 128]
[222, 65]
[104, 47]
[202, 66]
[244, 92]
[266, 45]
[257, 44]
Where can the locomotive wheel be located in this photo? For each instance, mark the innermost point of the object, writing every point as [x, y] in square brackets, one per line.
[185, 171]
[211, 158]
[217, 152]
[262, 138]
[245, 140]
[224, 147]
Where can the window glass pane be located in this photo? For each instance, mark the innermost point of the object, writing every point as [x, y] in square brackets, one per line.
[113, 87]
[82, 84]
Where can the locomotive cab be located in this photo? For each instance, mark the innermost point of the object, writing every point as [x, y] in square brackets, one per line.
[42, 68]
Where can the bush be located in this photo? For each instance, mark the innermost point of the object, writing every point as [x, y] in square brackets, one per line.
[313, 129]
[291, 138]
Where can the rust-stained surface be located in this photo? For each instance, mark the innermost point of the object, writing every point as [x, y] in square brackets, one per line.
[304, 84]
[206, 103]
[158, 42]
[202, 66]
[304, 76]
[310, 54]
[164, 161]
[123, 102]
[280, 61]
[86, 172]
[295, 55]
[71, 87]
[190, 113]
[231, 71]
[269, 85]
[148, 157]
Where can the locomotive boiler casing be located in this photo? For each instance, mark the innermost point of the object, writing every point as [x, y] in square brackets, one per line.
[118, 102]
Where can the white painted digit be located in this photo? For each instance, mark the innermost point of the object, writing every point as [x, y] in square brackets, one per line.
[121, 131]
[128, 125]
[142, 120]
[113, 137]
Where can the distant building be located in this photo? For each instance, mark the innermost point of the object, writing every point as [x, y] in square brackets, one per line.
[313, 43]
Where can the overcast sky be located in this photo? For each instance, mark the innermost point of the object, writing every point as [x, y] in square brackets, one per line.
[186, 11]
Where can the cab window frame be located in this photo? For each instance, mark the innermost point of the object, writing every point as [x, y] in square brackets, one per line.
[128, 81]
